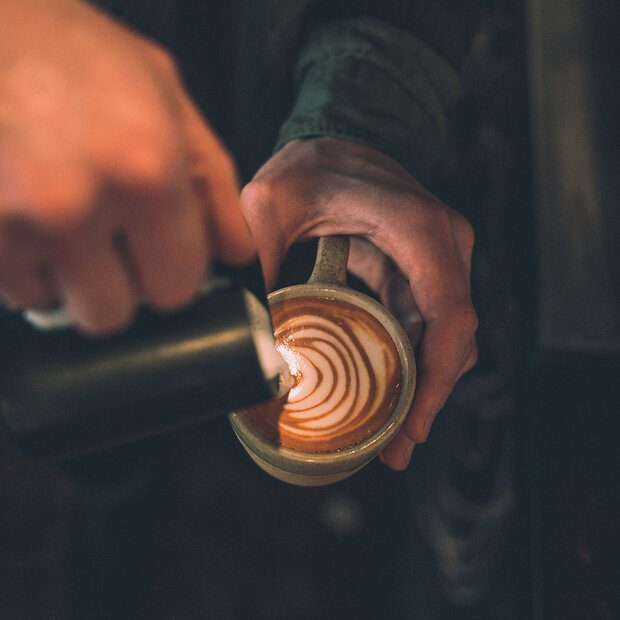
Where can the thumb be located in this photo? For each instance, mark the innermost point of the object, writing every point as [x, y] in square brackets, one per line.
[270, 240]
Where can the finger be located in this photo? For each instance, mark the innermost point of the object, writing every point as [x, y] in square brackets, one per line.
[447, 352]
[379, 273]
[93, 283]
[25, 281]
[398, 453]
[167, 251]
[440, 287]
[373, 267]
[444, 352]
[369, 264]
[434, 384]
[146, 195]
[435, 273]
[26, 286]
[399, 300]
[215, 179]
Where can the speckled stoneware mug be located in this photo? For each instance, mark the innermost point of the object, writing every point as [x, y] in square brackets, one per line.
[353, 373]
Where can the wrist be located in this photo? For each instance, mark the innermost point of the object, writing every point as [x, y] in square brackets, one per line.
[376, 85]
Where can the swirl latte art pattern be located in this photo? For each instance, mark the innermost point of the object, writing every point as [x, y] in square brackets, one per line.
[346, 376]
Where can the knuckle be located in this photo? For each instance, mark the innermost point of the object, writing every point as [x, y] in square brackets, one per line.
[464, 230]
[446, 220]
[59, 207]
[467, 319]
[138, 149]
[162, 59]
[57, 194]
[417, 433]
[255, 197]
[138, 142]
[146, 162]
[419, 429]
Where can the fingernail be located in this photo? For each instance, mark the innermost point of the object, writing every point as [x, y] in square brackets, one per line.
[407, 453]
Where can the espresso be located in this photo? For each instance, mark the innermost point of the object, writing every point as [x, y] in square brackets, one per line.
[346, 376]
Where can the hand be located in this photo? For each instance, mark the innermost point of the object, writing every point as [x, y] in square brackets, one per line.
[112, 187]
[417, 253]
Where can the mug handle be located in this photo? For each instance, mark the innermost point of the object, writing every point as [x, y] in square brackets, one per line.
[330, 266]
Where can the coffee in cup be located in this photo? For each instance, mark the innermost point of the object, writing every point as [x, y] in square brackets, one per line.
[353, 379]
[346, 376]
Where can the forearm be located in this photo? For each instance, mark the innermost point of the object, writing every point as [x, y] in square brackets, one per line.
[367, 81]
[446, 26]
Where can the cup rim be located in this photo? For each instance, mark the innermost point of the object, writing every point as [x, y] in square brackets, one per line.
[296, 461]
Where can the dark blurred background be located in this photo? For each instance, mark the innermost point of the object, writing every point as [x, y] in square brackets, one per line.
[510, 510]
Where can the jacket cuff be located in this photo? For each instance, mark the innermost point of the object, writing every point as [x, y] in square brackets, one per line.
[367, 81]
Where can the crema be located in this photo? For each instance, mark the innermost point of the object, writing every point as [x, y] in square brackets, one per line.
[346, 376]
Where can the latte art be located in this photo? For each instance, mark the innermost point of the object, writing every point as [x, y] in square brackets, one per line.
[346, 376]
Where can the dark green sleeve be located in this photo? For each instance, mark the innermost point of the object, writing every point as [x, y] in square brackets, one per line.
[368, 81]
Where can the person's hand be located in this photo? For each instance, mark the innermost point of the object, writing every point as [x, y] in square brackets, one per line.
[414, 250]
[112, 187]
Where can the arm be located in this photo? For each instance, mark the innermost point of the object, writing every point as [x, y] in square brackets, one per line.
[448, 27]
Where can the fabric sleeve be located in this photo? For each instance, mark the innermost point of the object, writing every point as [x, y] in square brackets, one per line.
[368, 81]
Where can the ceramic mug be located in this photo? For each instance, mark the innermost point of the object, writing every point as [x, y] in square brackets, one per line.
[328, 282]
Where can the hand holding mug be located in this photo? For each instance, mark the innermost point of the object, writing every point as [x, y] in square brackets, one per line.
[327, 186]
[353, 379]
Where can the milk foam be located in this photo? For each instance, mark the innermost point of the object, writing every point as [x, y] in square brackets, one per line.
[345, 369]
